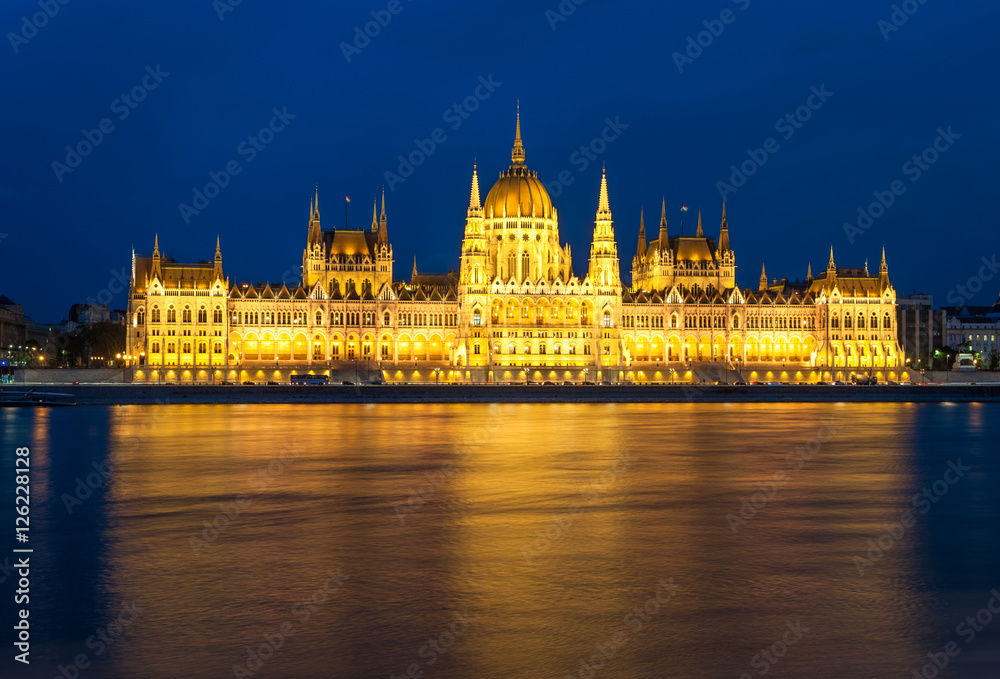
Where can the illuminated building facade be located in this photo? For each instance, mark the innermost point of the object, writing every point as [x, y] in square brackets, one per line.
[515, 311]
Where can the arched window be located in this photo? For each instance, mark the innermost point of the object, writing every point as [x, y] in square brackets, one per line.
[886, 321]
[607, 319]
[673, 320]
[202, 315]
[141, 317]
[525, 266]
[835, 321]
[874, 323]
[511, 348]
[171, 315]
[511, 265]
[736, 321]
[847, 321]
[541, 348]
[217, 315]
[556, 349]
[861, 320]
[386, 319]
[586, 350]
[186, 318]
[319, 318]
[155, 315]
[477, 318]
[476, 349]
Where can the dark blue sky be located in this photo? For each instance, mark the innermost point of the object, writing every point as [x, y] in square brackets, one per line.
[66, 237]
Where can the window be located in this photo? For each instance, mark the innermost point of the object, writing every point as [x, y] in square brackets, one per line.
[187, 347]
[386, 319]
[202, 348]
[475, 349]
[385, 350]
[171, 315]
[171, 348]
[203, 315]
[477, 317]
[319, 318]
[556, 349]
[511, 349]
[607, 319]
[217, 315]
[350, 351]
[217, 349]
[140, 317]
[155, 316]
[186, 318]
[673, 320]
[572, 350]
[156, 347]
[541, 348]
[317, 351]
[335, 351]
[586, 350]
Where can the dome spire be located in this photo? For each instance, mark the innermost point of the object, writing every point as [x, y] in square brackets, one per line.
[517, 154]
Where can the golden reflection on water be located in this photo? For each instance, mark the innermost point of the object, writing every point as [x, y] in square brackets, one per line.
[548, 529]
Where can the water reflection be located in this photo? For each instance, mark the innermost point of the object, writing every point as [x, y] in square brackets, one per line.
[545, 526]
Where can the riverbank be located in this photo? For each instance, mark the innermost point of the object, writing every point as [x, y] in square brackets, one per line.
[124, 394]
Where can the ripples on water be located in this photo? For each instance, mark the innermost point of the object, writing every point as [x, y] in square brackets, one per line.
[547, 529]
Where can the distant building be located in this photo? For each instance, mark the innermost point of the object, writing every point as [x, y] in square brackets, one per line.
[978, 327]
[87, 314]
[922, 330]
[12, 326]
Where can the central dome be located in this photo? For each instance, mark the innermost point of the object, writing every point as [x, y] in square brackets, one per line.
[518, 193]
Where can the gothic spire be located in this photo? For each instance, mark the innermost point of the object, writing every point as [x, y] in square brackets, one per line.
[809, 272]
[724, 231]
[517, 153]
[383, 224]
[156, 245]
[414, 274]
[883, 268]
[700, 233]
[374, 218]
[640, 251]
[603, 204]
[831, 266]
[763, 277]
[663, 225]
[475, 204]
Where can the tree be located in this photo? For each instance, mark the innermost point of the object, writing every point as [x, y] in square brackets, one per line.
[990, 360]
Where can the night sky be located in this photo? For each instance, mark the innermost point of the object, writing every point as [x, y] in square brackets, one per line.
[208, 84]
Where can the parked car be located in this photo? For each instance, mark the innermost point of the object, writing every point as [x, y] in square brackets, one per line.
[569, 384]
[587, 383]
[271, 382]
[249, 383]
[348, 383]
[548, 384]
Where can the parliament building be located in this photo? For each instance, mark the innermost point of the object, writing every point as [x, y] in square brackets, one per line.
[516, 310]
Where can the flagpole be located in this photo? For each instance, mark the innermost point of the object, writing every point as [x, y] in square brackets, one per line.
[346, 203]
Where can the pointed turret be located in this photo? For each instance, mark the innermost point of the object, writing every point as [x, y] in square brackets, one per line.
[640, 251]
[217, 270]
[374, 215]
[809, 272]
[883, 268]
[603, 204]
[763, 278]
[475, 204]
[831, 266]
[663, 225]
[700, 233]
[156, 273]
[314, 224]
[383, 224]
[724, 231]
[517, 153]
[413, 276]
